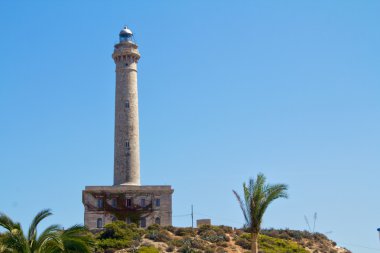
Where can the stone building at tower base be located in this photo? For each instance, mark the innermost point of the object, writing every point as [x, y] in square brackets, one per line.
[143, 205]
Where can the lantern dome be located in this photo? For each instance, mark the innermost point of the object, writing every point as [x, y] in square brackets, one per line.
[126, 34]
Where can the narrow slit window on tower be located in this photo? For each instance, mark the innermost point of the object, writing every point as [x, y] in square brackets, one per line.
[127, 104]
[127, 144]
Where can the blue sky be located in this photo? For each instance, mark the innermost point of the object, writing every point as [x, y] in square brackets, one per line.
[226, 89]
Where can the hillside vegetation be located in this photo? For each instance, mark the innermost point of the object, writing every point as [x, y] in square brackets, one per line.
[120, 238]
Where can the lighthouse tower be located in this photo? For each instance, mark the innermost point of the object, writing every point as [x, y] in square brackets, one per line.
[127, 148]
[127, 200]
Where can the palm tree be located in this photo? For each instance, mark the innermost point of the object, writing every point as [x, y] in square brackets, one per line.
[257, 197]
[54, 239]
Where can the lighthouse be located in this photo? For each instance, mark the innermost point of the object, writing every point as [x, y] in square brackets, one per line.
[127, 200]
[127, 147]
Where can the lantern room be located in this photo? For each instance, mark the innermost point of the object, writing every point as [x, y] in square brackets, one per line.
[126, 35]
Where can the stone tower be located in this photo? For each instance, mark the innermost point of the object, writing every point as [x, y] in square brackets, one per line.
[126, 200]
[127, 148]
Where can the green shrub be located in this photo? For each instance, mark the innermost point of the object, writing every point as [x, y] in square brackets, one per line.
[119, 235]
[185, 232]
[212, 234]
[158, 235]
[177, 243]
[170, 229]
[226, 229]
[120, 230]
[154, 227]
[222, 244]
[188, 249]
[242, 242]
[270, 244]
[294, 234]
[191, 245]
[114, 243]
[148, 249]
[246, 236]
[209, 250]
[198, 244]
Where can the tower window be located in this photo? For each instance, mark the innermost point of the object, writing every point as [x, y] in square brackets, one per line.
[157, 221]
[142, 202]
[158, 202]
[127, 104]
[127, 144]
[129, 202]
[99, 223]
[100, 203]
[143, 222]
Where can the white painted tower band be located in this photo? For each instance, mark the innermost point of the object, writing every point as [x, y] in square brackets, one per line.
[127, 147]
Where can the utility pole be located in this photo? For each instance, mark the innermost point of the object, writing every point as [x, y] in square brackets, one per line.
[192, 216]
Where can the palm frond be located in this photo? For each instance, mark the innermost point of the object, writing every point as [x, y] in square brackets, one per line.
[78, 239]
[32, 233]
[50, 237]
[8, 223]
[248, 203]
[272, 193]
[243, 208]
[14, 241]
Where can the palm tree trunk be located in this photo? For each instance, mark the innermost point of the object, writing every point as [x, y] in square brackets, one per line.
[255, 244]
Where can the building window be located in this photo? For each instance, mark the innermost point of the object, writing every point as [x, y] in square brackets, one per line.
[143, 222]
[127, 104]
[127, 144]
[129, 202]
[114, 203]
[142, 202]
[99, 223]
[158, 202]
[157, 221]
[100, 203]
[129, 221]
